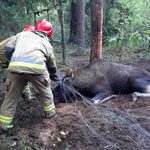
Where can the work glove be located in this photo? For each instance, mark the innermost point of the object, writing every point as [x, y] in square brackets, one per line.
[54, 77]
[8, 53]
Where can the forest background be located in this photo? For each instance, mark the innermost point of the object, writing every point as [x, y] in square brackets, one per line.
[126, 36]
[126, 24]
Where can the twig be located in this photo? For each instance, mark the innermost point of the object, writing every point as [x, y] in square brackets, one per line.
[107, 98]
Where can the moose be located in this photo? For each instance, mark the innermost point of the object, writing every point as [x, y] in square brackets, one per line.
[101, 79]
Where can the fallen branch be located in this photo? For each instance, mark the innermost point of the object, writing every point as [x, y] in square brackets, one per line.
[107, 98]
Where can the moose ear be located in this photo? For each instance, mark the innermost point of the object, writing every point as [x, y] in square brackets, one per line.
[69, 75]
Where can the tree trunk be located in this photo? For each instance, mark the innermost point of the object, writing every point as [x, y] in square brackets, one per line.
[34, 15]
[61, 19]
[77, 23]
[96, 7]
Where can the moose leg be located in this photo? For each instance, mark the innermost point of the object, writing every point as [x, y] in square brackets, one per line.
[135, 95]
[99, 96]
[142, 89]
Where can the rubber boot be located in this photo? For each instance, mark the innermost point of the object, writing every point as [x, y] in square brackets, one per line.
[50, 114]
[7, 131]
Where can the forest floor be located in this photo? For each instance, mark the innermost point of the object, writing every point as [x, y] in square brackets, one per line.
[117, 124]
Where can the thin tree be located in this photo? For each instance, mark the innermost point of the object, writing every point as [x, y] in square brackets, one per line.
[96, 7]
[61, 19]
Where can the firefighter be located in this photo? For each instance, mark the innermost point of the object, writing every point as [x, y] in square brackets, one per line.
[26, 93]
[32, 60]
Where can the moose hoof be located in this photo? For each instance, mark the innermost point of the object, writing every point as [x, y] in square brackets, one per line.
[96, 101]
[134, 97]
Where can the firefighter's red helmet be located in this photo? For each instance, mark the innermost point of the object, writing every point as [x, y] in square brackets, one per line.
[28, 28]
[45, 26]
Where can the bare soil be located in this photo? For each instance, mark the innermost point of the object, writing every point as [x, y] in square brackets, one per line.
[117, 124]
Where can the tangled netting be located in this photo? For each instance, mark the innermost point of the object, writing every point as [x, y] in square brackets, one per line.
[125, 122]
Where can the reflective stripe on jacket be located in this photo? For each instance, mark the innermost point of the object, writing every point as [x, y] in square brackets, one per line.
[32, 54]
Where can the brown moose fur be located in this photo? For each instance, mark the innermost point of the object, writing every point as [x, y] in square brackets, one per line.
[103, 78]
